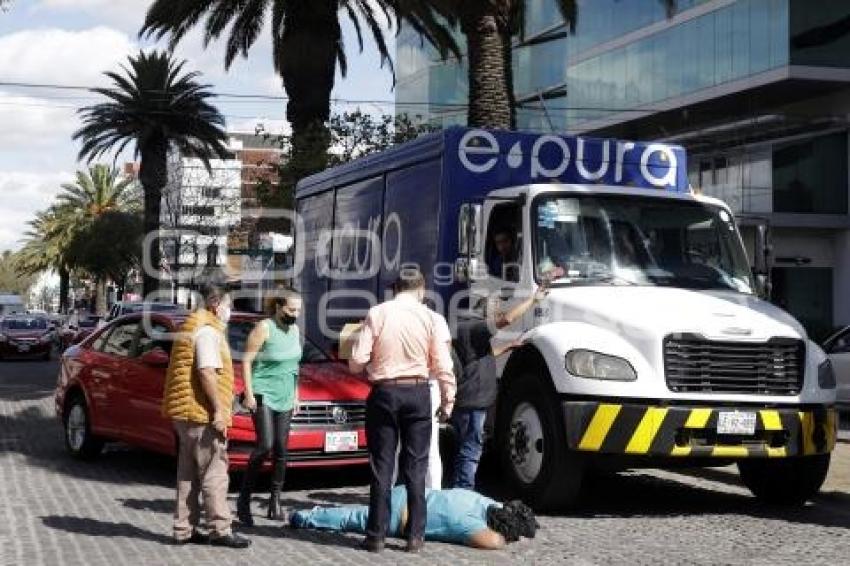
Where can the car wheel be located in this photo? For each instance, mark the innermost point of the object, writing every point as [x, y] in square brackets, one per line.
[533, 446]
[791, 481]
[79, 440]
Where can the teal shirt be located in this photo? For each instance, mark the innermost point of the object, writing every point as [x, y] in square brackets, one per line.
[274, 373]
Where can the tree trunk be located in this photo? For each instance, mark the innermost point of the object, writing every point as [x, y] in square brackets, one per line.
[489, 92]
[64, 288]
[508, 62]
[306, 61]
[153, 174]
[100, 295]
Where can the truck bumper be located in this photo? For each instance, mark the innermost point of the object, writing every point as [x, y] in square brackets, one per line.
[691, 431]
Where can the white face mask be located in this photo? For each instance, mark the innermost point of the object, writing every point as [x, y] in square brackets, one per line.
[223, 314]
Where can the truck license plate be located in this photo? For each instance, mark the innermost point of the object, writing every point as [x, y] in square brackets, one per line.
[24, 348]
[341, 441]
[736, 422]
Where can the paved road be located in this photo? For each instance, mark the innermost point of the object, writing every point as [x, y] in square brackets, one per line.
[117, 510]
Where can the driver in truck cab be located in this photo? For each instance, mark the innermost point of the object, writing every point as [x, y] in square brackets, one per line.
[504, 261]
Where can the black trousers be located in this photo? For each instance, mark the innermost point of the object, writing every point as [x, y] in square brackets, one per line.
[272, 429]
[393, 413]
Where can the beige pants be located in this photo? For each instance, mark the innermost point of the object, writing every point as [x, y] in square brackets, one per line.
[201, 467]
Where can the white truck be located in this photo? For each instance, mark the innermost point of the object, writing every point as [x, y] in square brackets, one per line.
[652, 347]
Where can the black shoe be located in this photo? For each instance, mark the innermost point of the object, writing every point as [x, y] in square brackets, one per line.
[243, 511]
[370, 544]
[414, 545]
[230, 541]
[275, 512]
[196, 538]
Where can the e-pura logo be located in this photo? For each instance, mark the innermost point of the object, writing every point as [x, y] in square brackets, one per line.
[479, 151]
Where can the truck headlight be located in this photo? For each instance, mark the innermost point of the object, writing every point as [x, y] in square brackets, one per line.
[593, 365]
[826, 375]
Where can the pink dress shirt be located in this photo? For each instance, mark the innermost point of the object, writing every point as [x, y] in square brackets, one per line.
[399, 339]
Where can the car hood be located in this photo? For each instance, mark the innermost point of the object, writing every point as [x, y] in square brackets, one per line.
[329, 381]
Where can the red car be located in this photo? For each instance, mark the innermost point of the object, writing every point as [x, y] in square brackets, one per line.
[110, 388]
[23, 336]
[76, 331]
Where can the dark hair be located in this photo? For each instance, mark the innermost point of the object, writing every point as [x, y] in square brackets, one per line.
[279, 297]
[512, 520]
[212, 293]
[410, 279]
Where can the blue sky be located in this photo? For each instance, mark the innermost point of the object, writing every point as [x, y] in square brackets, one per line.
[72, 42]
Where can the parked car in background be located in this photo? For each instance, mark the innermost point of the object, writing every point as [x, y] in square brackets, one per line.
[76, 329]
[837, 348]
[25, 336]
[110, 389]
[128, 307]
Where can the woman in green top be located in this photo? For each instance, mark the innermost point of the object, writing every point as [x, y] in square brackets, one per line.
[270, 371]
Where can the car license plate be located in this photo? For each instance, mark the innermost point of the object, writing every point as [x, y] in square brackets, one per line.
[736, 422]
[341, 441]
[24, 348]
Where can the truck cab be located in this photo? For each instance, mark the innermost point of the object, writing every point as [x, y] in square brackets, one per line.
[652, 346]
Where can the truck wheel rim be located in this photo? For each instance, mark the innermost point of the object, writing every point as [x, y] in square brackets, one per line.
[76, 427]
[526, 438]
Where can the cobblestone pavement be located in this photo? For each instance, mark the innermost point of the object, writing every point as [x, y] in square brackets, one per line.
[116, 510]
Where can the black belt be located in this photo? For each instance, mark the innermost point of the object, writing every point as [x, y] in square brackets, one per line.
[401, 381]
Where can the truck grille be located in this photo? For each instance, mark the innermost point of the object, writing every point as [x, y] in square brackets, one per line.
[694, 364]
[319, 414]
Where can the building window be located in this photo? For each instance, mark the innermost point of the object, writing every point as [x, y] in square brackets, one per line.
[194, 210]
[211, 192]
[811, 176]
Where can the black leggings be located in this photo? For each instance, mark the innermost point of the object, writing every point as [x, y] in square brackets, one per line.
[272, 429]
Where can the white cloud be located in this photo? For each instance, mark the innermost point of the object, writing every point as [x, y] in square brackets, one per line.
[121, 12]
[23, 195]
[35, 123]
[56, 56]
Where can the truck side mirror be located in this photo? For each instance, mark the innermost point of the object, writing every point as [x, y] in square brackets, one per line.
[761, 261]
[468, 241]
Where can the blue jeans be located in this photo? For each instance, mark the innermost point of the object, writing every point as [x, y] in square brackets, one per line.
[469, 426]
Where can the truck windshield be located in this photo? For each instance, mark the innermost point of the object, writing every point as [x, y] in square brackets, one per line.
[593, 240]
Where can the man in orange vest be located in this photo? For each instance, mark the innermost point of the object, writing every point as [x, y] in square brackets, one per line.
[198, 395]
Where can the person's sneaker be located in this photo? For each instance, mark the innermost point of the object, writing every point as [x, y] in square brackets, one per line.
[230, 541]
[370, 544]
[196, 538]
[414, 545]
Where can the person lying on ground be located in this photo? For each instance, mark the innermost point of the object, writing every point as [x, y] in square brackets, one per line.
[459, 516]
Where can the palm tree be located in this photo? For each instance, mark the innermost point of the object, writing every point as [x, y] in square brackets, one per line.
[307, 48]
[489, 27]
[155, 106]
[94, 194]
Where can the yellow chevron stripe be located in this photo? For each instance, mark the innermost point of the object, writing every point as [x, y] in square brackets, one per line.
[681, 451]
[647, 429]
[831, 429]
[599, 427]
[776, 452]
[771, 420]
[807, 429]
[730, 452]
[698, 418]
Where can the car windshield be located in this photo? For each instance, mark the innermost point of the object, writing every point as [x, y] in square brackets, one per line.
[617, 240]
[237, 336]
[24, 324]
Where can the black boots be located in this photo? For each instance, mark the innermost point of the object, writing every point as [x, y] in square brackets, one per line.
[276, 512]
[243, 508]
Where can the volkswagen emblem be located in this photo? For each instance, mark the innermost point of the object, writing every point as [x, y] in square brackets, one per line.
[340, 415]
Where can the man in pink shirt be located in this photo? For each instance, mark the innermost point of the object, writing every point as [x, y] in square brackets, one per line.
[399, 348]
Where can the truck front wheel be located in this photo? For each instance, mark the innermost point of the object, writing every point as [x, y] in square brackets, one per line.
[533, 446]
[791, 481]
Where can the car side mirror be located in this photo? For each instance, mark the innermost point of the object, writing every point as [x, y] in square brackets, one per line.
[156, 357]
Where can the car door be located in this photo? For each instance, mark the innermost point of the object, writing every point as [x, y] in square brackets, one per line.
[144, 383]
[114, 352]
[838, 349]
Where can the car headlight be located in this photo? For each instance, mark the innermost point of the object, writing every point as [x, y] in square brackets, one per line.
[593, 365]
[826, 375]
[4, 338]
